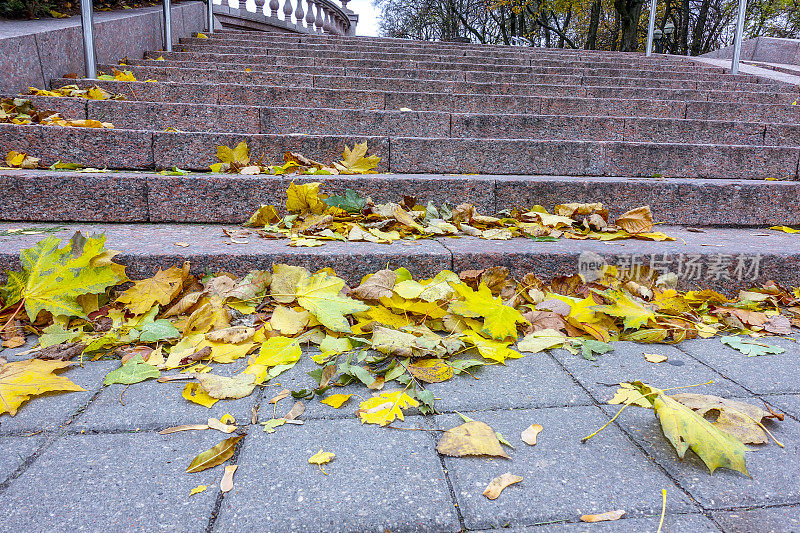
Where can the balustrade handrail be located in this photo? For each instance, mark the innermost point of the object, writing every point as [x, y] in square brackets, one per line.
[302, 16]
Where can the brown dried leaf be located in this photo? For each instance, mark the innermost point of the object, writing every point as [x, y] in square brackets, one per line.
[471, 438]
[499, 483]
[62, 352]
[378, 286]
[603, 517]
[226, 485]
[297, 409]
[639, 220]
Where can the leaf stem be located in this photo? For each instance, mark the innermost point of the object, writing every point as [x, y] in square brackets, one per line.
[663, 509]
[13, 315]
[584, 439]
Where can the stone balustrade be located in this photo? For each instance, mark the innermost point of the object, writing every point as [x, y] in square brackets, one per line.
[297, 16]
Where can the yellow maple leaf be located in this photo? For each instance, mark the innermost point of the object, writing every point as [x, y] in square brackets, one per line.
[499, 320]
[239, 155]
[276, 351]
[320, 458]
[319, 294]
[385, 408]
[20, 380]
[305, 198]
[489, 348]
[635, 315]
[356, 161]
[160, 289]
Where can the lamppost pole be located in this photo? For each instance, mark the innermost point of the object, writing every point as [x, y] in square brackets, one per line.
[87, 29]
[737, 39]
[651, 24]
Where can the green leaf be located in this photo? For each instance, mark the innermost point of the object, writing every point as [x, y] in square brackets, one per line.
[350, 201]
[135, 370]
[590, 348]
[462, 365]
[53, 278]
[159, 330]
[750, 347]
[319, 294]
[56, 334]
[427, 399]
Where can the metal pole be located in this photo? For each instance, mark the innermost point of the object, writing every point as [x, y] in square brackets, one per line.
[651, 24]
[737, 39]
[167, 26]
[210, 16]
[88, 39]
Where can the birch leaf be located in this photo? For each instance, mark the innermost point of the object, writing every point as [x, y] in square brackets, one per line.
[214, 456]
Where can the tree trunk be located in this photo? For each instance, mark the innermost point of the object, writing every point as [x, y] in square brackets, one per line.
[630, 11]
[594, 24]
[615, 31]
[700, 28]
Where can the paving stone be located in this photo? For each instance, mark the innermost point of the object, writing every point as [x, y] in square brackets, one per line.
[536, 380]
[16, 450]
[131, 481]
[673, 523]
[554, 488]
[55, 410]
[381, 479]
[771, 520]
[153, 405]
[626, 363]
[772, 483]
[788, 403]
[764, 374]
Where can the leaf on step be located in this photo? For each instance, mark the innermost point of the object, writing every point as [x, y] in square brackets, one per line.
[603, 517]
[500, 320]
[750, 347]
[161, 289]
[499, 483]
[639, 220]
[319, 294]
[471, 438]
[356, 161]
[22, 379]
[214, 456]
[350, 201]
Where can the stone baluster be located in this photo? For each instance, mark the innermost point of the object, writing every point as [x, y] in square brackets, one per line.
[310, 16]
[273, 7]
[299, 14]
[260, 6]
[326, 25]
[318, 22]
[287, 11]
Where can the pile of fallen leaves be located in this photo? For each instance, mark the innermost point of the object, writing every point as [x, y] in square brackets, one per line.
[391, 333]
[237, 160]
[94, 92]
[314, 217]
[23, 112]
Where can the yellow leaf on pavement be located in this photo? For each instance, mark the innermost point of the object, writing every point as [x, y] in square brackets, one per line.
[336, 400]
[655, 357]
[194, 393]
[385, 408]
[214, 456]
[471, 438]
[222, 387]
[320, 458]
[319, 294]
[489, 348]
[430, 370]
[198, 489]
[20, 380]
[500, 320]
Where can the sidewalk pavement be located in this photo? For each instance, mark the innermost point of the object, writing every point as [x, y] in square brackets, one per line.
[94, 460]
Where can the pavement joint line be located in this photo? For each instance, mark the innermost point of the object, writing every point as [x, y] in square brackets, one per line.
[632, 440]
[450, 488]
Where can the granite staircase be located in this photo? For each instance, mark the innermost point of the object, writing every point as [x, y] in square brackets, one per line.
[715, 155]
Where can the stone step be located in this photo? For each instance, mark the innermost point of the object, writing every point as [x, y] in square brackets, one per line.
[254, 60]
[517, 86]
[482, 71]
[158, 116]
[231, 198]
[135, 149]
[724, 259]
[548, 99]
[274, 40]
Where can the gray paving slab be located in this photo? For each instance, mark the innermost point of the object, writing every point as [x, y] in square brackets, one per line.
[153, 405]
[673, 523]
[535, 380]
[114, 482]
[765, 374]
[627, 363]
[563, 479]
[381, 479]
[50, 411]
[788, 403]
[16, 450]
[771, 520]
[774, 476]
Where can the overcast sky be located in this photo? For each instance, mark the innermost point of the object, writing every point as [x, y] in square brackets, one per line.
[367, 16]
